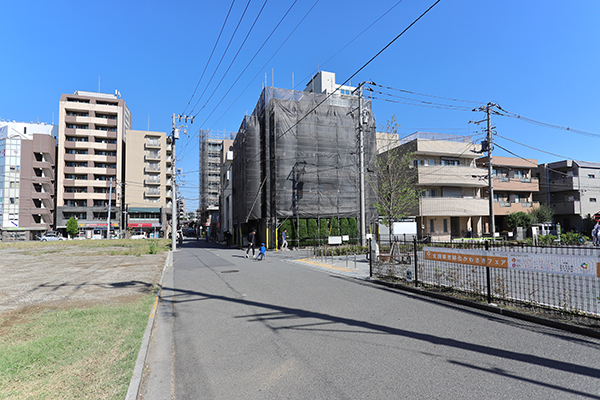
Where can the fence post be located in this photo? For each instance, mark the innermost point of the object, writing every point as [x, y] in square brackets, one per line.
[415, 258]
[487, 275]
[370, 259]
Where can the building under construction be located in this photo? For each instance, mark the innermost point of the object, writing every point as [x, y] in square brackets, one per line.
[297, 157]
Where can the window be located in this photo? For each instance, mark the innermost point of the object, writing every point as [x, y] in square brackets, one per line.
[450, 162]
[445, 225]
[592, 199]
[431, 226]
[591, 176]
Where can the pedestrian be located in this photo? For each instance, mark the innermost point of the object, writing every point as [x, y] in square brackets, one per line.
[262, 252]
[595, 234]
[598, 235]
[251, 242]
[284, 243]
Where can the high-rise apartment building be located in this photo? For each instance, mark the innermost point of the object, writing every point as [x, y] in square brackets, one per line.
[91, 136]
[27, 155]
[148, 188]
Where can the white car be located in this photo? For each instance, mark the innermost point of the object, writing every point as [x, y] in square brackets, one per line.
[139, 236]
[51, 236]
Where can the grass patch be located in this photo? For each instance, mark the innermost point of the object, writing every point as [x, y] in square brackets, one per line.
[73, 354]
[93, 247]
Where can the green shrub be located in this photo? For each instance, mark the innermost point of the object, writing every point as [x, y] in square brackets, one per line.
[335, 228]
[313, 231]
[353, 230]
[344, 227]
[303, 232]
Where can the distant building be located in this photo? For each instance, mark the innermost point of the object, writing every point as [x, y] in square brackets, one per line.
[212, 144]
[148, 185]
[226, 201]
[572, 189]
[91, 136]
[514, 187]
[27, 157]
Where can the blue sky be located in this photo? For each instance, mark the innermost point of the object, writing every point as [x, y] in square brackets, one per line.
[538, 59]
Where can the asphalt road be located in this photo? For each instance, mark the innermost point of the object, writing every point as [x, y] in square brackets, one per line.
[234, 328]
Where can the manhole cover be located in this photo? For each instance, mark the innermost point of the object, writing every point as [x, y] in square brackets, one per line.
[230, 271]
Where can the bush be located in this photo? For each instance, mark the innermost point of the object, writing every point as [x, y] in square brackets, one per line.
[303, 232]
[335, 228]
[353, 230]
[344, 228]
[312, 231]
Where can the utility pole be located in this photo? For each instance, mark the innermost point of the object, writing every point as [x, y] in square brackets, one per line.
[175, 135]
[108, 217]
[361, 167]
[488, 144]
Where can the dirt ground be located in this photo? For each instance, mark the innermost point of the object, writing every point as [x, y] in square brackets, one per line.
[58, 276]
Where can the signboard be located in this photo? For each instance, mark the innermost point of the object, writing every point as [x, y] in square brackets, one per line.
[144, 225]
[550, 263]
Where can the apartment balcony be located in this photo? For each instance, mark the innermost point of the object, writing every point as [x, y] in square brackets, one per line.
[103, 134]
[101, 146]
[151, 181]
[78, 145]
[445, 175]
[100, 121]
[152, 192]
[152, 170]
[76, 196]
[453, 206]
[567, 207]
[41, 179]
[41, 195]
[78, 132]
[152, 144]
[564, 184]
[505, 208]
[152, 157]
[42, 165]
[516, 184]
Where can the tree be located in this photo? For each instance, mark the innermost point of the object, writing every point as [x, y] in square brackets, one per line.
[335, 229]
[394, 179]
[72, 227]
[312, 230]
[302, 231]
[541, 214]
[519, 218]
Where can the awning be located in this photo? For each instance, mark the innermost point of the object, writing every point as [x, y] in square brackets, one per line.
[144, 209]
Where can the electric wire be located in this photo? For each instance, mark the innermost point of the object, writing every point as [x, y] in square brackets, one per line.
[234, 58]
[222, 56]
[210, 57]
[251, 60]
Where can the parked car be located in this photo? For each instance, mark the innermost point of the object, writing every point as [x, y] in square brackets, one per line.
[51, 236]
[139, 236]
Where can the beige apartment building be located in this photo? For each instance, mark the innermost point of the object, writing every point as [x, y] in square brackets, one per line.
[91, 135]
[148, 189]
[514, 186]
[452, 203]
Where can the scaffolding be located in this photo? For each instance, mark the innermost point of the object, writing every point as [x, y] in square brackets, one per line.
[296, 156]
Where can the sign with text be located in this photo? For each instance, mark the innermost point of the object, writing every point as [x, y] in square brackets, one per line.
[585, 265]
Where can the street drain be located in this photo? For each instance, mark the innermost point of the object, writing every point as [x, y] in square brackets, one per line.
[230, 271]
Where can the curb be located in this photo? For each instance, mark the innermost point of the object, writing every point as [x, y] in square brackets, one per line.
[493, 309]
[138, 371]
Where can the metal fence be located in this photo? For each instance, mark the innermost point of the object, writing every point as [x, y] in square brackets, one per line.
[564, 291]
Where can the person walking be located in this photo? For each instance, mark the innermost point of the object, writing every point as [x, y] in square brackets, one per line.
[595, 234]
[251, 242]
[262, 252]
[284, 243]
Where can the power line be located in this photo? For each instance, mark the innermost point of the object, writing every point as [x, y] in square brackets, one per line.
[269, 60]
[210, 57]
[235, 57]
[532, 121]
[222, 56]
[249, 62]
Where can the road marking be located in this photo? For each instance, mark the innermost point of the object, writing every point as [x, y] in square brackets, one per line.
[328, 266]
